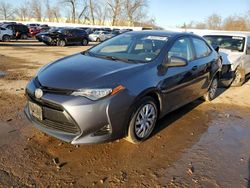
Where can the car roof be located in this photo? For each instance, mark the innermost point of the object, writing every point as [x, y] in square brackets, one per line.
[164, 33]
[229, 33]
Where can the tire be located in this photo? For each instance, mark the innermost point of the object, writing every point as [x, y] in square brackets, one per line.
[211, 93]
[138, 132]
[6, 38]
[61, 43]
[85, 42]
[98, 40]
[23, 36]
[239, 78]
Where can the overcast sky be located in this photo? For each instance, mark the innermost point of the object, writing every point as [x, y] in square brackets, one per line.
[171, 13]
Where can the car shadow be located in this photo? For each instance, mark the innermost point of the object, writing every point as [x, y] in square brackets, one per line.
[173, 116]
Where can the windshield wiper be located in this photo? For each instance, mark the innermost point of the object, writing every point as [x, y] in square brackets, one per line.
[113, 58]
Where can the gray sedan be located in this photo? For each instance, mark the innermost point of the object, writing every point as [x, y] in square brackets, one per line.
[121, 87]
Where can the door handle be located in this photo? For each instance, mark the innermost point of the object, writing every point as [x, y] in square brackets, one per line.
[195, 68]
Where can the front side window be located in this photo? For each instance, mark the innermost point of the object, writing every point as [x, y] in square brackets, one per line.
[181, 48]
[201, 48]
[134, 47]
[234, 43]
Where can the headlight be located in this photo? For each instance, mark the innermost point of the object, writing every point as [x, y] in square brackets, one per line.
[96, 94]
[93, 94]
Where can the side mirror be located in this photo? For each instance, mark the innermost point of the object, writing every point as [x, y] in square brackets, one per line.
[175, 61]
[248, 49]
[216, 48]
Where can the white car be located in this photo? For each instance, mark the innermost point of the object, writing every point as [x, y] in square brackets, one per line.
[97, 36]
[234, 48]
[5, 34]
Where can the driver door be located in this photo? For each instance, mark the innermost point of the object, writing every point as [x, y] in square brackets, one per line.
[178, 83]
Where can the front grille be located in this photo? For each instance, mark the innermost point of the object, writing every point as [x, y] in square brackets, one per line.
[52, 90]
[54, 117]
[64, 127]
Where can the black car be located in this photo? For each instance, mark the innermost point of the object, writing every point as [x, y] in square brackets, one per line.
[20, 31]
[64, 36]
[121, 87]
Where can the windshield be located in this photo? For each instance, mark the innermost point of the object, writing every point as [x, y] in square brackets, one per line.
[131, 46]
[233, 43]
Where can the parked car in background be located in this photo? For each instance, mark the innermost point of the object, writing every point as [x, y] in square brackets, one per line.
[105, 36]
[20, 31]
[64, 36]
[235, 51]
[97, 36]
[33, 31]
[44, 27]
[121, 87]
[5, 34]
[33, 25]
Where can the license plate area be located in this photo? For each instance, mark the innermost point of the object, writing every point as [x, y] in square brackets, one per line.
[36, 111]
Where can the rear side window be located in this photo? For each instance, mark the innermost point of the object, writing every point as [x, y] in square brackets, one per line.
[181, 48]
[201, 48]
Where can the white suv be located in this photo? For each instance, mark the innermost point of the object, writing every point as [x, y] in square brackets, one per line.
[234, 48]
[5, 34]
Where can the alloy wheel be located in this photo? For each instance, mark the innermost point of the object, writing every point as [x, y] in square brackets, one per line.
[145, 121]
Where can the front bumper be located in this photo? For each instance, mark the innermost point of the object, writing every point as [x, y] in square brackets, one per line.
[94, 121]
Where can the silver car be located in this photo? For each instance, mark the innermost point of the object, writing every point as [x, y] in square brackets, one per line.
[235, 53]
[5, 34]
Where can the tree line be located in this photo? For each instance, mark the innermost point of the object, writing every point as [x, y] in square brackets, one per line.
[215, 22]
[95, 12]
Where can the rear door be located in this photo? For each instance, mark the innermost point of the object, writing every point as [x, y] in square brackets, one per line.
[202, 65]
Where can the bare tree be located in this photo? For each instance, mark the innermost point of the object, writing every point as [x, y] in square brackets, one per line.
[83, 13]
[6, 10]
[91, 9]
[36, 9]
[134, 9]
[101, 13]
[115, 7]
[214, 21]
[23, 12]
[235, 23]
[72, 4]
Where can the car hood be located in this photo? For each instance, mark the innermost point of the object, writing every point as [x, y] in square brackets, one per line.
[230, 57]
[81, 71]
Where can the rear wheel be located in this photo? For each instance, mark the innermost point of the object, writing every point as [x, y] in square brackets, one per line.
[142, 121]
[211, 93]
[239, 78]
[6, 38]
[24, 36]
[98, 40]
[61, 43]
[85, 42]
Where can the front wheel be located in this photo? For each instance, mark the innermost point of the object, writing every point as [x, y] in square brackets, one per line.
[142, 121]
[6, 38]
[85, 42]
[211, 93]
[98, 40]
[239, 78]
[61, 43]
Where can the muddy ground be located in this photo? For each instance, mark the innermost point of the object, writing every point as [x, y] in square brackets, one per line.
[200, 145]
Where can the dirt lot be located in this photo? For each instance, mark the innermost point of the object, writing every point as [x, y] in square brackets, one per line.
[200, 145]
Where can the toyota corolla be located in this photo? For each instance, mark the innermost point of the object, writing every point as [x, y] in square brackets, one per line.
[121, 87]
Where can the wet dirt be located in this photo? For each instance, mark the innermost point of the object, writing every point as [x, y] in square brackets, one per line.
[199, 145]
